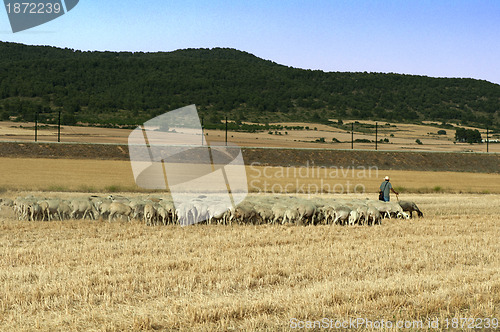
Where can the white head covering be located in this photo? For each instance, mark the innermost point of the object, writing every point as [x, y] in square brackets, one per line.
[387, 178]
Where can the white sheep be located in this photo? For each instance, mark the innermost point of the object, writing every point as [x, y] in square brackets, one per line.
[149, 214]
[353, 217]
[341, 214]
[64, 210]
[83, 207]
[119, 209]
[374, 216]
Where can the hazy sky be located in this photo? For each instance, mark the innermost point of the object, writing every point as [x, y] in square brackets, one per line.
[435, 38]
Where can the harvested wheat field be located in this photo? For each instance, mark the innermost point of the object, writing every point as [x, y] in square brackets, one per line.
[43, 174]
[94, 275]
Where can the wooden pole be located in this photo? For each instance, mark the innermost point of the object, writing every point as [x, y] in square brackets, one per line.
[59, 128]
[226, 130]
[376, 135]
[202, 133]
[36, 126]
[352, 136]
[487, 139]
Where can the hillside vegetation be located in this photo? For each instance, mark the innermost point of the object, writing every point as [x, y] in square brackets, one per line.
[110, 88]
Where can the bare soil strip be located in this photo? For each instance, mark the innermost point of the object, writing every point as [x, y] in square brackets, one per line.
[389, 160]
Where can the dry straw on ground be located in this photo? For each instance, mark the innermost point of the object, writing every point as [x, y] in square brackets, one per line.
[84, 275]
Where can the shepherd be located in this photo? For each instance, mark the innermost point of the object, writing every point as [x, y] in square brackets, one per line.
[385, 190]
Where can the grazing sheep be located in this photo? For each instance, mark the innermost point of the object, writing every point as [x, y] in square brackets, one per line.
[119, 199]
[49, 208]
[353, 217]
[278, 212]
[342, 214]
[104, 209]
[291, 215]
[255, 209]
[244, 213]
[265, 213]
[162, 215]
[64, 210]
[149, 214]
[307, 210]
[24, 206]
[119, 209]
[170, 209]
[83, 207]
[138, 211]
[201, 210]
[389, 209]
[216, 212]
[186, 213]
[362, 210]
[374, 216]
[410, 207]
[36, 211]
[328, 213]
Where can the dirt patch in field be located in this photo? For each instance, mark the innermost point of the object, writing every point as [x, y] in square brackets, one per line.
[417, 161]
[396, 160]
[64, 151]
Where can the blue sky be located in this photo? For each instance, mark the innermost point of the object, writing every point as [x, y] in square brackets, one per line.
[434, 38]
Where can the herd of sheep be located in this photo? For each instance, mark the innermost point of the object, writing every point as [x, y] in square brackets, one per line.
[254, 209]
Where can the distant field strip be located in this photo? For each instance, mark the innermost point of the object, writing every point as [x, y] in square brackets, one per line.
[113, 175]
[291, 156]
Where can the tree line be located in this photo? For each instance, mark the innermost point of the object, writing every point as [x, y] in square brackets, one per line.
[126, 89]
[468, 135]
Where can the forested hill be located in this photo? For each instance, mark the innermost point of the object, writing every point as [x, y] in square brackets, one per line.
[129, 88]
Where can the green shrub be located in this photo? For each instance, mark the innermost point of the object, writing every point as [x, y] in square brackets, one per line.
[112, 188]
[401, 189]
[57, 188]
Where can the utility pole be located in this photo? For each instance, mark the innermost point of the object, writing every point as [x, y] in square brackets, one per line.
[487, 139]
[59, 128]
[36, 126]
[226, 130]
[352, 136]
[376, 135]
[202, 133]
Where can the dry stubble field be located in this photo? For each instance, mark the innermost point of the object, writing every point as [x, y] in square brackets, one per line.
[87, 175]
[94, 275]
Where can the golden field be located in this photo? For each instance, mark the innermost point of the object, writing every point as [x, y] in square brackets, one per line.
[109, 175]
[99, 276]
